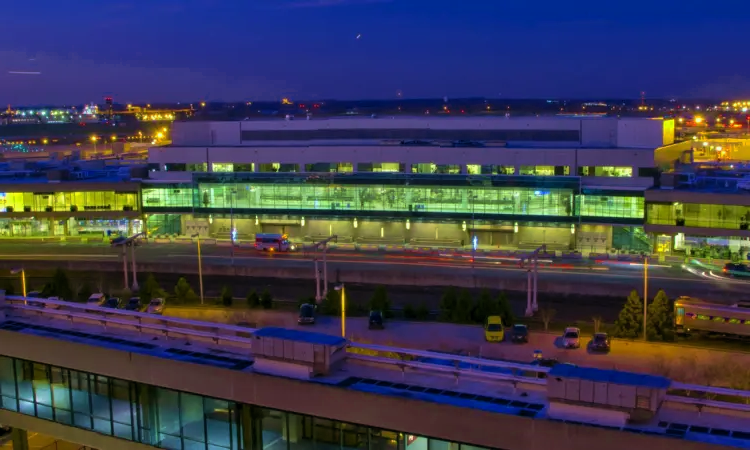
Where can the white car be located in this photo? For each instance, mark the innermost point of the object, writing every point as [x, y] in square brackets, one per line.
[96, 300]
[156, 306]
[572, 337]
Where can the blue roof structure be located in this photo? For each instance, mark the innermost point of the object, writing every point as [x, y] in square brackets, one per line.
[301, 336]
[610, 376]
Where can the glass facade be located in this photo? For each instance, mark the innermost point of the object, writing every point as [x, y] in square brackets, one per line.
[518, 201]
[177, 420]
[402, 195]
[606, 171]
[68, 201]
[610, 206]
[699, 215]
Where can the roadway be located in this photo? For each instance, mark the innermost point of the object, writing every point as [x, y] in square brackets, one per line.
[621, 276]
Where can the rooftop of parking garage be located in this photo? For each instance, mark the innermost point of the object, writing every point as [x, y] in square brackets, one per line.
[371, 376]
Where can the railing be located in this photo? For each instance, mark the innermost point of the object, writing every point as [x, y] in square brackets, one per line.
[133, 321]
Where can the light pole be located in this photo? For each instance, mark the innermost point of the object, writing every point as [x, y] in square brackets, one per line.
[200, 267]
[23, 278]
[340, 287]
[645, 294]
[93, 139]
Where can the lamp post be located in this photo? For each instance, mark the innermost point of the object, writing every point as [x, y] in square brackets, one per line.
[23, 278]
[645, 294]
[200, 267]
[340, 287]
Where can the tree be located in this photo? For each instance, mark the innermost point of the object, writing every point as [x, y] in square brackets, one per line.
[409, 312]
[629, 323]
[85, 292]
[253, 301]
[266, 300]
[448, 304]
[150, 289]
[504, 309]
[547, 314]
[380, 301]
[226, 296]
[59, 286]
[486, 307]
[422, 312]
[464, 307]
[331, 304]
[183, 291]
[660, 320]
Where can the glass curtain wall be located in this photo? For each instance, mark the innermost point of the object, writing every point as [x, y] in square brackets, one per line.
[699, 215]
[175, 420]
[629, 207]
[68, 201]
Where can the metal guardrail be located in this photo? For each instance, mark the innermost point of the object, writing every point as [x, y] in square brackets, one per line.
[132, 320]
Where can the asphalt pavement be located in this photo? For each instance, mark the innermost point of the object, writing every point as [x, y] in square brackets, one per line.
[621, 276]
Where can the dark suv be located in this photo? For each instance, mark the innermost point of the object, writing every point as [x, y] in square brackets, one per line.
[376, 320]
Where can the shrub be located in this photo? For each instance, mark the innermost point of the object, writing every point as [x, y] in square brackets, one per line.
[226, 296]
[409, 312]
[448, 304]
[266, 300]
[183, 292]
[380, 301]
[422, 312]
[253, 301]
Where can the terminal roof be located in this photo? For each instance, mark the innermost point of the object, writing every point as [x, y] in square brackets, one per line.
[300, 336]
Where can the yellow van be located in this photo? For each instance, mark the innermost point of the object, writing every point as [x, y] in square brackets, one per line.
[494, 330]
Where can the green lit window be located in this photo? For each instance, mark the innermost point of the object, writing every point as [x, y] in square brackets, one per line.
[474, 169]
[735, 321]
[606, 171]
[222, 167]
[539, 170]
[719, 319]
[699, 215]
[702, 317]
[631, 207]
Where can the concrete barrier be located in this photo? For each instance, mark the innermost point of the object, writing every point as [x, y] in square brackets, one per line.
[634, 258]
[595, 256]
[572, 255]
[394, 248]
[369, 247]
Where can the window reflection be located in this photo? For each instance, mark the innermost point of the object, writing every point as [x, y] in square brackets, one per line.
[176, 420]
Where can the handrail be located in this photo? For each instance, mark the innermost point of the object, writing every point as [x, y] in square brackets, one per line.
[708, 403]
[16, 300]
[138, 325]
[709, 389]
[453, 358]
[451, 370]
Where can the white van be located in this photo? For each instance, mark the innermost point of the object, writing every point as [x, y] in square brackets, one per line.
[96, 300]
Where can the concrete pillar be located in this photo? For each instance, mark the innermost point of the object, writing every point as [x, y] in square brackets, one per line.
[20, 439]
[66, 226]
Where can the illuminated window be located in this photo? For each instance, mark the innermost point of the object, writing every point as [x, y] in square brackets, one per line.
[702, 317]
[474, 169]
[222, 167]
[719, 319]
[735, 321]
[605, 171]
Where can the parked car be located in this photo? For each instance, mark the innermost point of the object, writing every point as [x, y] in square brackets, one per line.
[735, 270]
[376, 320]
[156, 306]
[133, 304]
[519, 334]
[306, 314]
[112, 303]
[600, 342]
[96, 300]
[494, 331]
[546, 362]
[572, 337]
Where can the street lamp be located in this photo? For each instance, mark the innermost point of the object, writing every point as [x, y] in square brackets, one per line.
[340, 287]
[93, 139]
[200, 267]
[23, 278]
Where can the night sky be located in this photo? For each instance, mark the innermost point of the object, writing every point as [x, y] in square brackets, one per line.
[172, 50]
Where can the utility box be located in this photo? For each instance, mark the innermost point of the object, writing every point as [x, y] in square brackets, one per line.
[611, 396]
[297, 354]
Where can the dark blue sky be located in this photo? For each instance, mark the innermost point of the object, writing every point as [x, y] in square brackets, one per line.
[166, 50]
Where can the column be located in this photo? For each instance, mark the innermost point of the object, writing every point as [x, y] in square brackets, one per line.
[250, 428]
[20, 439]
[292, 428]
[66, 226]
[148, 426]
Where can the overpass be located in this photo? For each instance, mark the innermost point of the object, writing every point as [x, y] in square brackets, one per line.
[114, 379]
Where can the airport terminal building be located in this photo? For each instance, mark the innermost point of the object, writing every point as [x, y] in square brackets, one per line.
[569, 182]
[584, 183]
